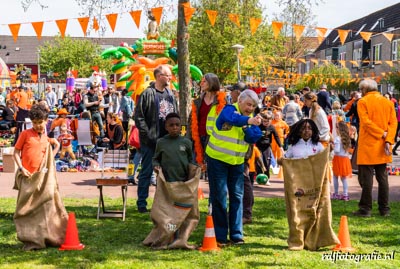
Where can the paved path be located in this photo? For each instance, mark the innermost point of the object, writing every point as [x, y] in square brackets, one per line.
[83, 185]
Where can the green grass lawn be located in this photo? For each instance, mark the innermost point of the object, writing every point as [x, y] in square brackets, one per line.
[112, 243]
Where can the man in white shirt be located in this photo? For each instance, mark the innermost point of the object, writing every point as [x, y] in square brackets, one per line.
[51, 97]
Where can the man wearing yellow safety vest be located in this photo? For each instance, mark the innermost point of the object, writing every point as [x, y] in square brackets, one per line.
[233, 131]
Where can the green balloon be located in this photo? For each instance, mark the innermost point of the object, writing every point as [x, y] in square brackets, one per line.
[262, 179]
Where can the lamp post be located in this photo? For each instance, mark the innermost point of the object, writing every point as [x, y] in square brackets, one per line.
[38, 74]
[238, 49]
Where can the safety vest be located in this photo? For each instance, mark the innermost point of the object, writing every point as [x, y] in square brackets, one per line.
[211, 119]
[227, 145]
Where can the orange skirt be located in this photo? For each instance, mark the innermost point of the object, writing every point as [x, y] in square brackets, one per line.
[341, 166]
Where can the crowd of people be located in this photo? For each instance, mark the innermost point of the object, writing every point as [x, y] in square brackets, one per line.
[233, 135]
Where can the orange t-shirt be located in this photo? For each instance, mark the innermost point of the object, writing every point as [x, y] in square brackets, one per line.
[252, 161]
[22, 98]
[33, 149]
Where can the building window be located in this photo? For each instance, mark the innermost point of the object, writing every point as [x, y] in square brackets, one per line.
[329, 58]
[357, 56]
[342, 56]
[308, 66]
[377, 53]
[395, 50]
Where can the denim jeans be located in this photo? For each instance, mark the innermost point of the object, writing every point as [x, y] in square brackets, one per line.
[145, 175]
[226, 179]
[97, 118]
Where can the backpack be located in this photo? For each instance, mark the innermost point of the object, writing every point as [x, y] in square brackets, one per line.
[134, 137]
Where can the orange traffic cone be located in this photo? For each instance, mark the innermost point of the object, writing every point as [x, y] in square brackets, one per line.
[344, 237]
[71, 241]
[209, 241]
[200, 194]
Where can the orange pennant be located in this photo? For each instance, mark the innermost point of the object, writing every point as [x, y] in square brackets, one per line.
[298, 31]
[343, 35]
[355, 63]
[315, 61]
[342, 63]
[96, 26]
[389, 63]
[14, 28]
[276, 28]
[189, 11]
[320, 33]
[136, 14]
[388, 36]
[112, 20]
[84, 24]
[38, 27]
[366, 35]
[62, 26]
[254, 23]
[212, 16]
[234, 18]
[157, 12]
[302, 60]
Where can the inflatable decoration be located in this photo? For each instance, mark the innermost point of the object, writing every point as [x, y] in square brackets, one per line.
[70, 81]
[103, 76]
[134, 70]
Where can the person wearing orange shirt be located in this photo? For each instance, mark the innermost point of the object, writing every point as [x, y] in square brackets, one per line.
[378, 125]
[282, 128]
[21, 101]
[57, 122]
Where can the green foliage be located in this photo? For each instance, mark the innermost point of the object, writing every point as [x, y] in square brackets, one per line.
[113, 243]
[211, 46]
[80, 54]
[319, 75]
[394, 79]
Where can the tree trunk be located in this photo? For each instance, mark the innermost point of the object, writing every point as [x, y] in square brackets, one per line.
[183, 63]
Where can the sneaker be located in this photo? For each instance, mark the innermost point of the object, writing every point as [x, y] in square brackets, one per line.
[384, 213]
[362, 213]
[222, 244]
[237, 241]
[344, 198]
[335, 196]
[143, 210]
[268, 184]
[132, 182]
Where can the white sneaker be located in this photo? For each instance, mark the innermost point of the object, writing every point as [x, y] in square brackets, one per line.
[268, 184]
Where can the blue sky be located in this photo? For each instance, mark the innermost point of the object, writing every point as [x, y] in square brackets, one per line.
[330, 14]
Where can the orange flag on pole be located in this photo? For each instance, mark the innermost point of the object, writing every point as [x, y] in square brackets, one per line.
[366, 35]
[189, 11]
[157, 12]
[276, 28]
[254, 23]
[234, 18]
[112, 20]
[38, 27]
[14, 28]
[84, 24]
[298, 31]
[62, 26]
[136, 14]
[212, 16]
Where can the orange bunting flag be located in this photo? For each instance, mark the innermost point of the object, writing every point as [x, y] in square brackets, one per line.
[342, 63]
[212, 16]
[343, 35]
[38, 27]
[355, 63]
[388, 36]
[112, 20]
[276, 28]
[325, 61]
[315, 61]
[320, 33]
[62, 26]
[234, 18]
[95, 68]
[14, 28]
[74, 73]
[254, 23]
[302, 60]
[136, 14]
[389, 63]
[366, 35]
[298, 31]
[189, 11]
[84, 24]
[157, 12]
[96, 26]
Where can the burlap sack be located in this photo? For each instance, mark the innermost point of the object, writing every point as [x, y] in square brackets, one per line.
[308, 204]
[40, 216]
[175, 212]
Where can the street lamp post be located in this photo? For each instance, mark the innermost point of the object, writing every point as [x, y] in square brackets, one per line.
[238, 49]
[38, 68]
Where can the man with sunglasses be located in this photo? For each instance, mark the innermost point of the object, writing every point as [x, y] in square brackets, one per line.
[154, 104]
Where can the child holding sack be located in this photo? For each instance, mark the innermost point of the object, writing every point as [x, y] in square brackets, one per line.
[40, 216]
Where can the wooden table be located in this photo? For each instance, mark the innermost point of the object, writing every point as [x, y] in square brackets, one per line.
[112, 182]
